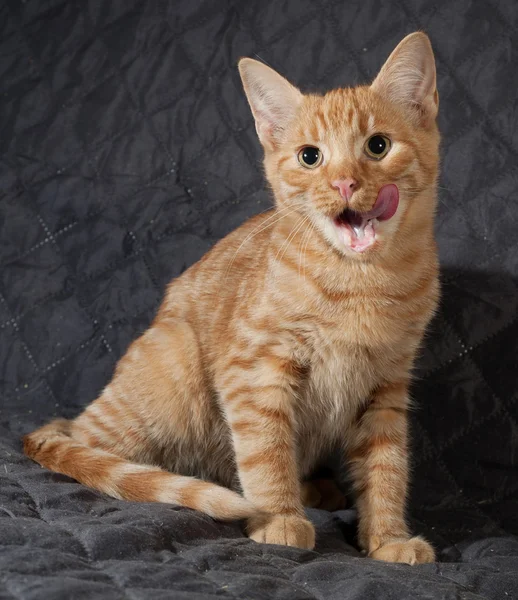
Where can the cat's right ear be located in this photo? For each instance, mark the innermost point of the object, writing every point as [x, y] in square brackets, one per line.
[273, 100]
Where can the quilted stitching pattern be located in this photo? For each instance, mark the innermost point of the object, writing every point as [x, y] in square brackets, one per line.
[126, 150]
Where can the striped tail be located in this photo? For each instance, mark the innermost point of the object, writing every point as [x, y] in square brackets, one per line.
[52, 447]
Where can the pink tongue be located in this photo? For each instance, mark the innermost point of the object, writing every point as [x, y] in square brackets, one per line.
[386, 204]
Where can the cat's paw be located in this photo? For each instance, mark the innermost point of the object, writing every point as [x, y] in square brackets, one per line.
[285, 530]
[413, 551]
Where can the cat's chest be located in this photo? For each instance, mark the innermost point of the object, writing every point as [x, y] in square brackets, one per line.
[351, 356]
[339, 384]
[342, 376]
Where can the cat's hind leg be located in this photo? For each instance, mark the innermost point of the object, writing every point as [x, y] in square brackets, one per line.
[155, 413]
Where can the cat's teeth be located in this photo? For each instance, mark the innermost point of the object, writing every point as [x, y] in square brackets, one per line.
[358, 230]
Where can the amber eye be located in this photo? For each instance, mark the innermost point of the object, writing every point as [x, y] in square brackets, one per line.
[377, 146]
[310, 157]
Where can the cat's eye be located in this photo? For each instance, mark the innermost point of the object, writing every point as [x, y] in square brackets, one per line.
[310, 157]
[377, 146]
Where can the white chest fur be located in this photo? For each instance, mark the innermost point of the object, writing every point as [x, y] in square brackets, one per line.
[349, 360]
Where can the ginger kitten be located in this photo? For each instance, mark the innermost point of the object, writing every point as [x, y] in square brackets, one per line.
[295, 334]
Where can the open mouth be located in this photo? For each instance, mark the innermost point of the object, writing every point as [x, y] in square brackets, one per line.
[358, 229]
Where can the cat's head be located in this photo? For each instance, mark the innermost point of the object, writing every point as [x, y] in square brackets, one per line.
[361, 163]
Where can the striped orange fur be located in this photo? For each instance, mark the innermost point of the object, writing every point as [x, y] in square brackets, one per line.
[296, 334]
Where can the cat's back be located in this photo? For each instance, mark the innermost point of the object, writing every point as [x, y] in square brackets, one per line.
[231, 268]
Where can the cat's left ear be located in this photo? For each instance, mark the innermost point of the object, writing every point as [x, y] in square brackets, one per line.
[408, 78]
[273, 100]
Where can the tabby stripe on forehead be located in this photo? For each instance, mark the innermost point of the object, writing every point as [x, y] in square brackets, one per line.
[321, 124]
[350, 116]
[363, 122]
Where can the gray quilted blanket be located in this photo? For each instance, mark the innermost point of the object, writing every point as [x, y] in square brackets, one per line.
[126, 150]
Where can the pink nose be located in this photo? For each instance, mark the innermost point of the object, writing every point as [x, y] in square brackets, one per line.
[346, 187]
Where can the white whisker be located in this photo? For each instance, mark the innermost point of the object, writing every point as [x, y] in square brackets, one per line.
[304, 241]
[280, 214]
[290, 238]
[311, 229]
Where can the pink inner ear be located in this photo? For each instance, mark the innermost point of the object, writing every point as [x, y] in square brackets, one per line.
[264, 130]
[264, 126]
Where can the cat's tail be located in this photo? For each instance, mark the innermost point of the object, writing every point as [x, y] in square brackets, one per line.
[52, 447]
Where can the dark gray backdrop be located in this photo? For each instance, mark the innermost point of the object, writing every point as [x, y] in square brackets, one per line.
[126, 150]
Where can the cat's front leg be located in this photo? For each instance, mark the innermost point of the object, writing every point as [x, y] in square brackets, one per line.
[262, 423]
[378, 457]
